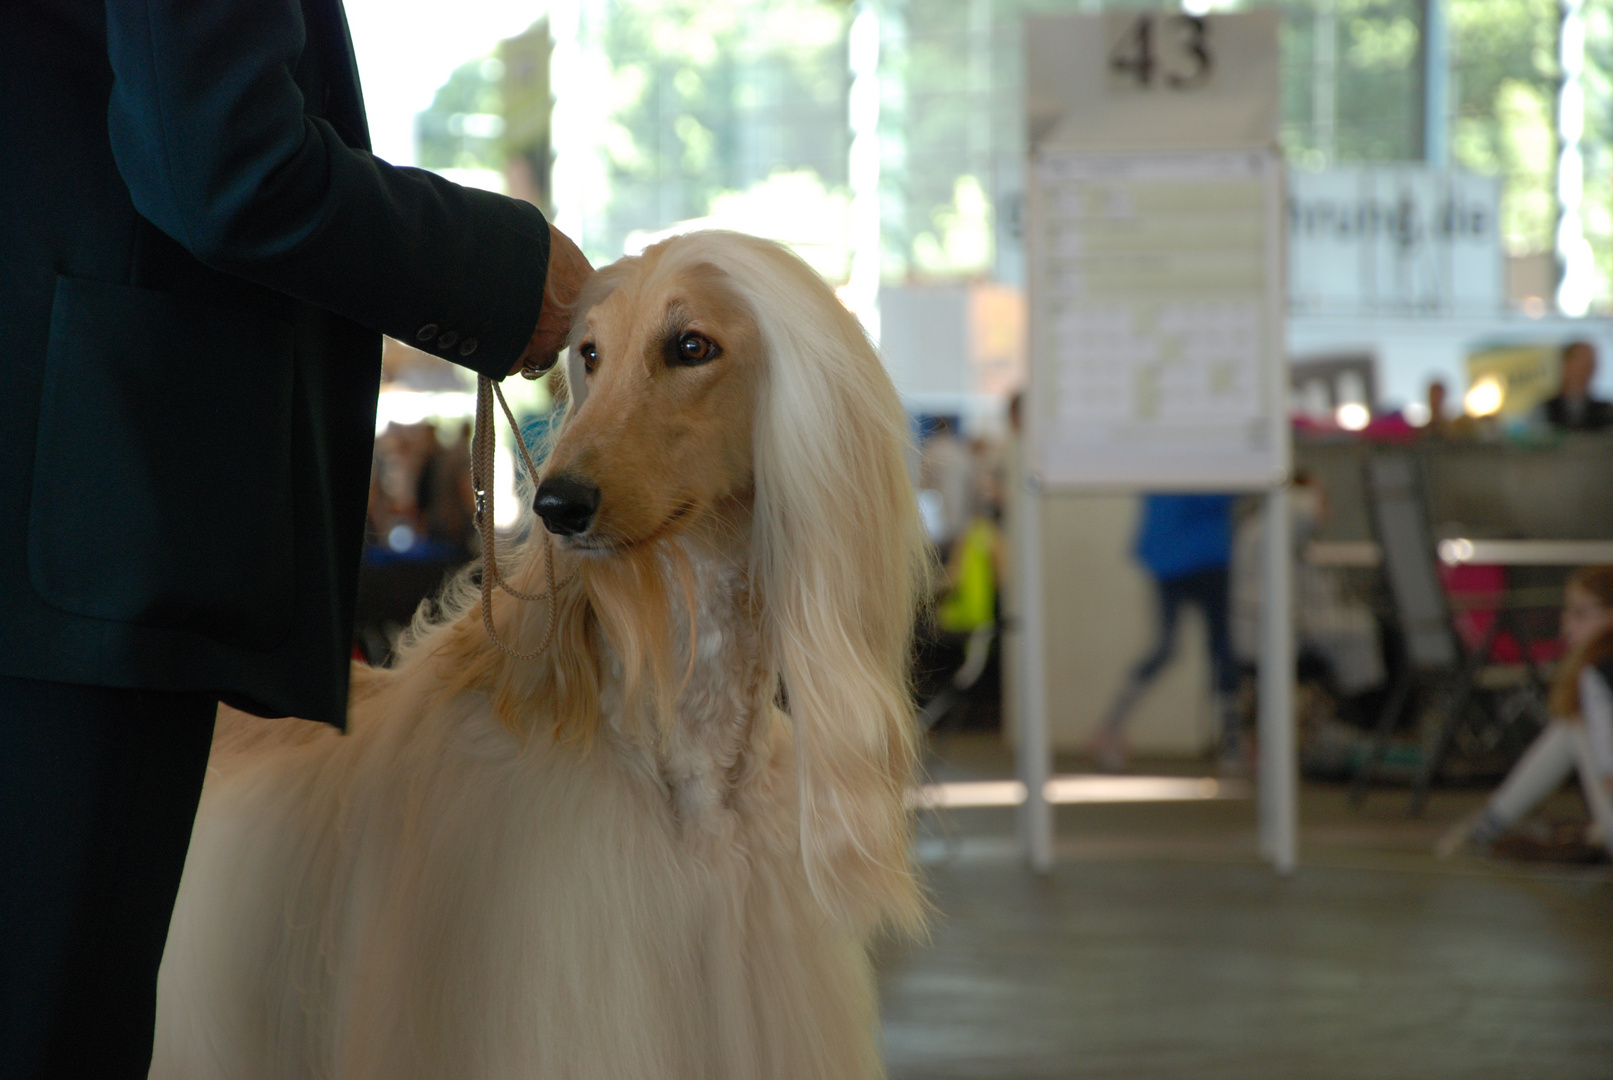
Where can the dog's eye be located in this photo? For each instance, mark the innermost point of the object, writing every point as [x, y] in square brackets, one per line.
[590, 356]
[693, 348]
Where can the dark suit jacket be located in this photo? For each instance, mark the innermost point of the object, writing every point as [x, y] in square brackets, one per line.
[1596, 416]
[198, 255]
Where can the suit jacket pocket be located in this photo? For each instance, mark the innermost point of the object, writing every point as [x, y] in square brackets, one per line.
[162, 478]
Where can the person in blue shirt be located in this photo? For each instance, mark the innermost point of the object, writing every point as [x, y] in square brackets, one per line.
[1185, 543]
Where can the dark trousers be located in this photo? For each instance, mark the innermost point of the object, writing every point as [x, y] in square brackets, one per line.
[1209, 590]
[98, 791]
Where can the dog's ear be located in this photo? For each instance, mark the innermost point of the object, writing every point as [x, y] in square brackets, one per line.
[840, 562]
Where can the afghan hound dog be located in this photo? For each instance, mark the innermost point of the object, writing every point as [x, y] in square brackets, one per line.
[640, 816]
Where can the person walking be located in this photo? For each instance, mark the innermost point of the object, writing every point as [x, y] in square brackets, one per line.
[198, 257]
[1185, 544]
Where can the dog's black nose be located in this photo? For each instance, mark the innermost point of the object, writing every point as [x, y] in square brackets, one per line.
[566, 503]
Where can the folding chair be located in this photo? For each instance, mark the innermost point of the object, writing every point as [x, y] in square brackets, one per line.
[1525, 700]
[1433, 651]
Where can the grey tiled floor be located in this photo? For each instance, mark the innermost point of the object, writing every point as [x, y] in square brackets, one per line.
[1162, 947]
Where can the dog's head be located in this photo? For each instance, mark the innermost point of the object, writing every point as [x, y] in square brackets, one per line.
[666, 358]
[716, 382]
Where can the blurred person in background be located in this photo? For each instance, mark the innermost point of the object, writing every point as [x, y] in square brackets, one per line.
[1441, 424]
[989, 473]
[955, 649]
[947, 468]
[1573, 408]
[1580, 735]
[1438, 421]
[429, 452]
[1339, 660]
[974, 566]
[446, 497]
[399, 459]
[198, 257]
[1185, 544]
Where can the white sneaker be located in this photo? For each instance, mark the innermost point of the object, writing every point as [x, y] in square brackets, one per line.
[1108, 750]
[1459, 836]
[1232, 765]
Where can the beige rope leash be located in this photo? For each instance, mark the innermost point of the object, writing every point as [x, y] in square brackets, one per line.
[483, 443]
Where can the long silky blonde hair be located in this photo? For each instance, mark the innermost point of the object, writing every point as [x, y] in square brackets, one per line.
[840, 564]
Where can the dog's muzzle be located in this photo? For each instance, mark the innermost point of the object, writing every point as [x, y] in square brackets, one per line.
[566, 503]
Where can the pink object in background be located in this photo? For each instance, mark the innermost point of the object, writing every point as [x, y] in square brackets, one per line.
[1476, 593]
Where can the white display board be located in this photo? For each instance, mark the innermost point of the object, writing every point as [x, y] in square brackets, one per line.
[1154, 231]
[1156, 285]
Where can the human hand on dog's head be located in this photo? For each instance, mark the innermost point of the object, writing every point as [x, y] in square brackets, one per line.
[568, 269]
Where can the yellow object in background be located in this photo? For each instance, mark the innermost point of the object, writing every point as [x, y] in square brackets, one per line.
[1525, 375]
[973, 600]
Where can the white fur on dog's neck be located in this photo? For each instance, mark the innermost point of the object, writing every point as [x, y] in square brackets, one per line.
[709, 749]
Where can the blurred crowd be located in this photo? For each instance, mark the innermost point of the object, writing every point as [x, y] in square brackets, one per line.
[1573, 408]
[962, 487]
[422, 504]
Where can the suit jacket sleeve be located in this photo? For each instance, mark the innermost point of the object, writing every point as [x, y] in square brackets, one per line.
[210, 132]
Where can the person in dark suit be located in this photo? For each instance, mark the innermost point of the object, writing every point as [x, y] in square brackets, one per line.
[1573, 409]
[198, 258]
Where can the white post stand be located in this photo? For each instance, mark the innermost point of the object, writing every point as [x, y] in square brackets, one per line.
[1154, 245]
[1278, 766]
[1035, 748]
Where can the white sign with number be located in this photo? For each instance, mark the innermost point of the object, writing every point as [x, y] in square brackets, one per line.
[1151, 49]
[1152, 80]
[1155, 241]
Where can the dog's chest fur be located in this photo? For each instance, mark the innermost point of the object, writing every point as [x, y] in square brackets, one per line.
[712, 745]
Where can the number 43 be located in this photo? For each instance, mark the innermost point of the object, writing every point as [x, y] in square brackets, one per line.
[1131, 60]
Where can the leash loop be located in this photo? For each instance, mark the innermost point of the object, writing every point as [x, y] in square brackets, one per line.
[484, 440]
